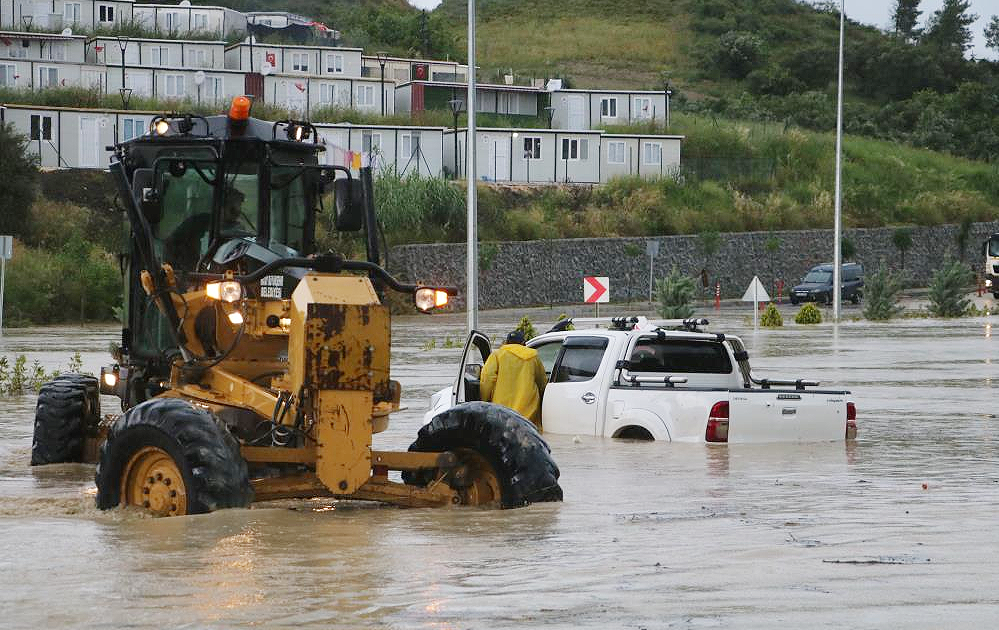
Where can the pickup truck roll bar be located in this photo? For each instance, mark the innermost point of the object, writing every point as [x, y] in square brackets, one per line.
[742, 357]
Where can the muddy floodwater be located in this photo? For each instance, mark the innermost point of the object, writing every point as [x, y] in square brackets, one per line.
[897, 530]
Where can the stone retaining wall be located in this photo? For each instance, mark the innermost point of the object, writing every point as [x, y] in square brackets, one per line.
[528, 273]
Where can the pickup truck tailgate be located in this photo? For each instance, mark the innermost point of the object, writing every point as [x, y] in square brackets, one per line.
[786, 416]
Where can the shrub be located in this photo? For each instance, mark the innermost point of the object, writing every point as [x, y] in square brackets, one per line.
[675, 294]
[738, 53]
[809, 314]
[947, 290]
[881, 290]
[525, 326]
[771, 317]
[18, 184]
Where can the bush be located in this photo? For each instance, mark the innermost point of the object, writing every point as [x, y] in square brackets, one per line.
[771, 317]
[947, 290]
[809, 314]
[75, 283]
[675, 294]
[882, 289]
[525, 326]
[738, 53]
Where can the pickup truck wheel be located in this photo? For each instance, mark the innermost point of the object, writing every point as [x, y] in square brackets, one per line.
[794, 301]
[855, 298]
[502, 458]
[171, 459]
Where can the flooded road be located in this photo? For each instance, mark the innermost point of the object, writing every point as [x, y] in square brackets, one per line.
[651, 535]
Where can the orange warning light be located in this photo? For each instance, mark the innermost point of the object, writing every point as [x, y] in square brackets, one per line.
[240, 109]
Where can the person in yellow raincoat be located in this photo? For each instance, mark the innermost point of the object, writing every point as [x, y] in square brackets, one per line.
[514, 377]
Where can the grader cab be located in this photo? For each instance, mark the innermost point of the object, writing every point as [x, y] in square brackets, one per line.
[252, 367]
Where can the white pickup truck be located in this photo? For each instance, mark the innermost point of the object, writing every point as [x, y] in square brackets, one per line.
[662, 380]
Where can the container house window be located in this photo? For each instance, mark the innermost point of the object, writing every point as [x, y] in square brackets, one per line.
[132, 128]
[161, 56]
[365, 95]
[172, 21]
[41, 127]
[326, 94]
[574, 149]
[7, 72]
[175, 85]
[371, 141]
[213, 88]
[643, 107]
[532, 148]
[199, 21]
[615, 152]
[334, 63]
[105, 13]
[48, 77]
[608, 107]
[300, 62]
[19, 52]
[652, 152]
[71, 12]
[410, 144]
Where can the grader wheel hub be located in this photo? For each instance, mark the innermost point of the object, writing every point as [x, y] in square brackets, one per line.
[479, 484]
[153, 481]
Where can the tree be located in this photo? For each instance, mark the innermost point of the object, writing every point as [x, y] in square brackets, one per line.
[18, 184]
[905, 16]
[949, 27]
[675, 293]
[992, 33]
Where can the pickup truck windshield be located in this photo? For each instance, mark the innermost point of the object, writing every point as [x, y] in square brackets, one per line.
[679, 356]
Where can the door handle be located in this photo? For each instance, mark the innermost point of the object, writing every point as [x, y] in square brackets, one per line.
[589, 398]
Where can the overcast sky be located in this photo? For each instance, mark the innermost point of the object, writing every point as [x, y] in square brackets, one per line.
[878, 13]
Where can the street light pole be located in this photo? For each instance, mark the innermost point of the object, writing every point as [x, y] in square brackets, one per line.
[382, 56]
[837, 222]
[472, 290]
[455, 105]
[122, 45]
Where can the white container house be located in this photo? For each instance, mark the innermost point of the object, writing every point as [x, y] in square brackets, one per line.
[309, 94]
[596, 109]
[159, 53]
[648, 156]
[15, 46]
[319, 61]
[529, 155]
[506, 100]
[184, 19]
[277, 19]
[55, 15]
[408, 150]
[403, 69]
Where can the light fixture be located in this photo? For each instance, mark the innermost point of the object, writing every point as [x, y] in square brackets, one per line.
[226, 291]
[236, 318]
[427, 299]
[161, 127]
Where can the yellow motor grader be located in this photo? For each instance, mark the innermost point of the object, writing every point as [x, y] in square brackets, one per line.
[252, 368]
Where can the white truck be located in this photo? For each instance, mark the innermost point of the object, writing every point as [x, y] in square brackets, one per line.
[662, 380]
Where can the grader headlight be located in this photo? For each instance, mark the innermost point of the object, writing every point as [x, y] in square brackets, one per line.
[427, 299]
[226, 291]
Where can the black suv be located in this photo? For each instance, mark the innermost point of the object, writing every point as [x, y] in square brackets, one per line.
[817, 284]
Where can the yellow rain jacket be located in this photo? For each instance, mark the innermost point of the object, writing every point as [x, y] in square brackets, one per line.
[514, 377]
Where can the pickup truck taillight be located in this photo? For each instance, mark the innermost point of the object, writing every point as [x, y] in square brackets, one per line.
[717, 430]
[851, 421]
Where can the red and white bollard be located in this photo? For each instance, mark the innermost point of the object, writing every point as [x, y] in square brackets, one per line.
[718, 296]
[780, 291]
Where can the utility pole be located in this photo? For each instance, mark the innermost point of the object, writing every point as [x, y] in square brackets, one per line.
[472, 290]
[838, 226]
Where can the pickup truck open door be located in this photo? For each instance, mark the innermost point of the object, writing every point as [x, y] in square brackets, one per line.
[473, 357]
[575, 395]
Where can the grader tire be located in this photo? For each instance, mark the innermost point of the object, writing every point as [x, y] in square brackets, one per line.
[68, 407]
[504, 450]
[172, 459]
